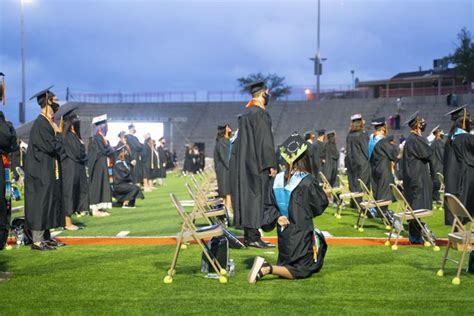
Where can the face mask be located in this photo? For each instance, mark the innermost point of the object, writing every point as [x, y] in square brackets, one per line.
[55, 107]
[267, 98]
[423, 126]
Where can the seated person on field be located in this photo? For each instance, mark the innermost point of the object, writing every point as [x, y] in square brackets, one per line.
[125, 191]
[295, 198]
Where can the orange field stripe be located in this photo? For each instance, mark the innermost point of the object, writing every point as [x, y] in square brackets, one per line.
[171, 240]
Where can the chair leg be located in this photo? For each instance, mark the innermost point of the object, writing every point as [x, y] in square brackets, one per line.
[457, 280]
[445, 259]
[172, 271]
[213, 262]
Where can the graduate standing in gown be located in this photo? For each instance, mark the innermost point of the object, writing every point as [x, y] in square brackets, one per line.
[331, 159]
[221, 163]
[452, 167]
[417, 178]
[295, 198]
[8, 144]
[357, 158]
[162, 161]
[461, 144]
[382, 154]
[43, 196]
[73, 164]
[438, 156]
[137, 149]
[125, 191]
[100, 153]
[318, 153]
[147, 163]
[255, 164]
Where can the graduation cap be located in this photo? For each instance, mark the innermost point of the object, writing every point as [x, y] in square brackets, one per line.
[121, 134]
[98, 120]
[70, 114]
[435, 129]
[331, 132]
[147, 136]
[378, 122]
[2, 88]
[256, 86]
[292, 148]
[356, 117]
[411, 120]
[457, 113]
[308, 135]
[390, 138]
[321, 132]
[43, 96]
[221, 127]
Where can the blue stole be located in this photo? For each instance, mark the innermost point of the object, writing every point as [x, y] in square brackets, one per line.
[373, 140]
[231, 143]
[283, 192]
[458, 131]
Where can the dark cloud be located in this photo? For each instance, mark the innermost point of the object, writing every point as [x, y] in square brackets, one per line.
[109, 45]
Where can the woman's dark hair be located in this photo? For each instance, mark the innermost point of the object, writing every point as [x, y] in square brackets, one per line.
[73, 122]
[357, 126]
[458, 124]
[302, 164]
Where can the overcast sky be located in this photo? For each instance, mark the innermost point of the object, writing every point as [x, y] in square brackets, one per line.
[145, 45]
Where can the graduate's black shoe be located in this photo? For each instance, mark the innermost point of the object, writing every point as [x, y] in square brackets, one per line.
[269, 244]
[55, 243]
[42, 247]
[257, 244]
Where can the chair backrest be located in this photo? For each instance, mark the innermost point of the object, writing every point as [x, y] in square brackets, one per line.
[179, 208]
[402, 201]
[192, 194]
[364, 188]
[440, 177]
[20, 172]
[456, 207]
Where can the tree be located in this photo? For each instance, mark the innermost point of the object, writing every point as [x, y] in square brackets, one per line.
[463, 57]
[275, 84]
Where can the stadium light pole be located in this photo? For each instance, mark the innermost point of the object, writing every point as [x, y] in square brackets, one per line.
[353, 82]
[318, 56]
[23, 84]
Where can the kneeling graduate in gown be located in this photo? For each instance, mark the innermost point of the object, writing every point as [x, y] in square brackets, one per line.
[125, 190]
[295, 198]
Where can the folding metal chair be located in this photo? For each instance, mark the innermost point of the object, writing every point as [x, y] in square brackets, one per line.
[203, 208]
[21, 176]
[188, 233]
[404, 213]
[332, 193]
[371, 202]
[347, 195]
[441, 190]
[460, 234]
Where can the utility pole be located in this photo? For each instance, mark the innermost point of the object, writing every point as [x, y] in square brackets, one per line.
[23, 84]
[318, 56]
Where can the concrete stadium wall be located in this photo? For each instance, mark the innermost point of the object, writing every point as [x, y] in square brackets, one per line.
[202, 118]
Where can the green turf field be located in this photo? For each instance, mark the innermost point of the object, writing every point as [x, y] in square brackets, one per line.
[128, 279]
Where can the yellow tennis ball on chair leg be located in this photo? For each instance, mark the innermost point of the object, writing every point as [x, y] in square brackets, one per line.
[222, 279]
[456, 281]
[387, 243]
[8, 247]
[440, 273]
[168, 279]
[436, 248]
[394, 247]
[361, 229]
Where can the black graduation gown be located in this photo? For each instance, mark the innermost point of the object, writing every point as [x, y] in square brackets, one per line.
[136, 148]
[75, 182]
[7, 144]
[417, 182]
[188, 161]
[463, 147]
[17, 160]
[438, 152]
[452, 169]
[155, 162]
[147, 156]
[162, 162]
[124, 188]
[221, 165]
[99, 185]
[43, 196]
[255, 155]
[357, 160]
[295, 242]
[381, 169]
[330, 166]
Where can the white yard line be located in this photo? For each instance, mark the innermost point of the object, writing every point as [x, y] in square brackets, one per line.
[123, 233]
